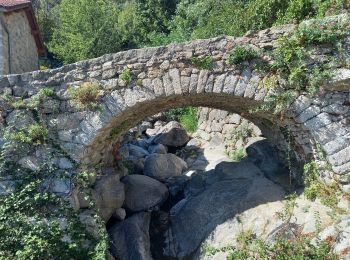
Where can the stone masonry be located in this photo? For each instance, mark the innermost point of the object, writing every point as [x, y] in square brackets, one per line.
[164, 78]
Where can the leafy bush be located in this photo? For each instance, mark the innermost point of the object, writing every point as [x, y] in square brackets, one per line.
[242, 53]
[205, 63]
[37, 224]
[86, 95]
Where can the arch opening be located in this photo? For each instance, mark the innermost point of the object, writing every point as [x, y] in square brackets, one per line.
[171, 224]
[281, 132]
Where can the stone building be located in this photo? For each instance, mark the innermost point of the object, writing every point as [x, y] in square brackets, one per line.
[20, 41]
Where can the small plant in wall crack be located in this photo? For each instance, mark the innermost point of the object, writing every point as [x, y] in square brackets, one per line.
[35, 134]
[295, 69]
[204, 63]
[242, 53]
[126, 76]
[315, 188]
[86, 95]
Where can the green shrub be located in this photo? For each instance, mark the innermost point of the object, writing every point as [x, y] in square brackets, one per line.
[189, 120]
[35, 223]
[315, 188]
[250, 247]
[242, 53]
[35, 134]
[237, 155]
[126, 76]
[86, 95]
[47, 92]
[18, 104]
[322, 31]
[204, 63]
[187, 116]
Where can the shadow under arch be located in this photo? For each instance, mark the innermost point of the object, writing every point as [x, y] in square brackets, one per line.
[106, 140]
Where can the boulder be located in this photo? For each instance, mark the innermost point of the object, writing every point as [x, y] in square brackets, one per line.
[137, 151]
[120, 214]
[172, 134]
[109, 195]
[87, 218]
[157, 148]
[163, 166]
[143, 193]
[134, 164]
[194, 143]
[129, 239]
[212, 198]
[7, 187]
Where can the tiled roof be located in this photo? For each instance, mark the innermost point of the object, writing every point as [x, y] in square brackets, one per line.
[10, 4]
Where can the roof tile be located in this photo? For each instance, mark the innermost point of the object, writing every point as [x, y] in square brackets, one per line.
[12, 3]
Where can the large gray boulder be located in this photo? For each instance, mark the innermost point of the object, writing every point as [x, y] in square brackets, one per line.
[129, 239]
[163, 166]
[212, 198]
[172, 134]
[109, 195]
[143, 193]
[137, 151]
[157, 148]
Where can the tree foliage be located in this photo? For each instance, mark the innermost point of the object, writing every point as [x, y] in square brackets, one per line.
[83, 29]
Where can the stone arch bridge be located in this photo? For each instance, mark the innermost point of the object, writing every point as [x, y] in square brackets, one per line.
[164, 78]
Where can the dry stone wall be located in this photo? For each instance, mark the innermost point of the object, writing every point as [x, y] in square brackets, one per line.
[164, 78]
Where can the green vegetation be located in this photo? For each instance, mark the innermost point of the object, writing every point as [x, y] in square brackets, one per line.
[251, 247]
[117, 25]
[30, 228]
[242, 53]
[86, 95]
[204, 63]
[120, 24]
[294, 69]
[126, 76]
[288, 207]
[237, 155]
[36, 100]
[208, 18]
[117, 131]
[35, 134]
[315, 188]
[242, 132]
[187, 117]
